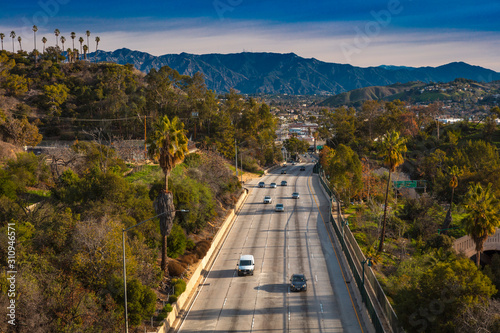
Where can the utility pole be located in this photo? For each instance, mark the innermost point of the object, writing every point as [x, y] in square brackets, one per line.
[236, 157]
[145, 145]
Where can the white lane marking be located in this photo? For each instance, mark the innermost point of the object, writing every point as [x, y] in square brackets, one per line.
[316, 278]
[321, 306]
[253, 319]
[225, 300]
[288, 315]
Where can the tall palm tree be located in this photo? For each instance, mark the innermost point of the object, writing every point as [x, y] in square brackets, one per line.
[73, 36]
[19, 39]
[88, 35]
[168, 145]
[63, 39]
[97, 40]
[35, 53]
[85, 50]
[57, 33]
[483, 215]
[454, 172]
[12, 35]
[391, 149]
[81, 44]
[44, 40]
[69, 53]
[2, 36]
[35, 29]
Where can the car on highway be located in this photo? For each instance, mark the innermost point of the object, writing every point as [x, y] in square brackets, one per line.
[246, 265]
[302, 168]
[268, 199]
[284, 183]
[295, 195]
[293, 163]
[273, 185]
[298, 282]
[283, 172]
[279, 208]
[262, 184]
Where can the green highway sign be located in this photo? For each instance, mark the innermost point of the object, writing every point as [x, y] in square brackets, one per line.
[405, 184]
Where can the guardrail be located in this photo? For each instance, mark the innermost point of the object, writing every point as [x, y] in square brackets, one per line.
[377, 304]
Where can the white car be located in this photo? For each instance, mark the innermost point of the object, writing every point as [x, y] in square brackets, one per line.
[295, 195]
[273, 185]
[268, 199]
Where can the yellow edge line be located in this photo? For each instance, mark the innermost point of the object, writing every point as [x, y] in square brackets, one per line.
[336, 256]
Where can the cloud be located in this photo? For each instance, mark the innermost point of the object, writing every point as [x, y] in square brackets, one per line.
[369, 44]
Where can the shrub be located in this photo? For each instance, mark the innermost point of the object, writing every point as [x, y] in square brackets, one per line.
[202, 248]
[164, 312]
[176, 242]
[172, 299]
[189, 259]
[175, 268]
[190, 244]
[179, 286]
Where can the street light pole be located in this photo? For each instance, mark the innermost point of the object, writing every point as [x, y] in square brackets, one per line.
[124, 260]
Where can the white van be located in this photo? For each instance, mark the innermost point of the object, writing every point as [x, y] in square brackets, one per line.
[246, 265]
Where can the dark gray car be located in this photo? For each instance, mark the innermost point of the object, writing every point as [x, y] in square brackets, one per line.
[298, 282]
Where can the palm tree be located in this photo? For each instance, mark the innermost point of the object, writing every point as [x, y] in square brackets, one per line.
[69, 53]
[97, 40]
[63, 39]
[81, 44]
[85, 50]
[482, 217]
[19, 39]
[167, 144]
[35, 29]
[57, 32]
[12, 35]
[455, 172]
[88, 35]
[44, 40]
[2, 35]
[73, 36]
[391, 148]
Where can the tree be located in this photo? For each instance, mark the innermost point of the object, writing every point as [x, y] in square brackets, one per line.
[85, 50]
[454, 172]
[63, 39]
[344, 170]
[19, 39]
[35, 29]
[73, 36]
[391, 148]
[2, 36]
[44, 40]
[88, 35]
[97, 40]
[13, 35]
[81, 44]
[57, 33]
[435, 299]
[167, 144]
[482, 217]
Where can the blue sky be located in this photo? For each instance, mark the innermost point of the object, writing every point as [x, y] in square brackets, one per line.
[361, 33]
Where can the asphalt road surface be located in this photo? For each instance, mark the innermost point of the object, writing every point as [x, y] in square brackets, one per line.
[283, 243]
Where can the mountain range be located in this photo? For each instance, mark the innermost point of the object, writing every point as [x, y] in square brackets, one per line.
[276, 73]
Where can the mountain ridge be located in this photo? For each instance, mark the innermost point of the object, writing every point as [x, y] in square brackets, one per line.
[288, 73]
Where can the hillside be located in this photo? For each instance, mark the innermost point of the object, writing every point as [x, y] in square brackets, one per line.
[457, 91]
[273, 73]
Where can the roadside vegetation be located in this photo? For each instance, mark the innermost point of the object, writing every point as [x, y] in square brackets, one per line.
[409, 233]
[69, 207]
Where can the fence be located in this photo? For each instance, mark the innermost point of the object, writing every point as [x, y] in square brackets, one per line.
[377, 304]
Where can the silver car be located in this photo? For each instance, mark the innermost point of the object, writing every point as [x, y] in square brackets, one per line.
[268, 199]
[295, 195]
[279, 208]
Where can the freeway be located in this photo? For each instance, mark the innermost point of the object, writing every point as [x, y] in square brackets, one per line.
[283, 243]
